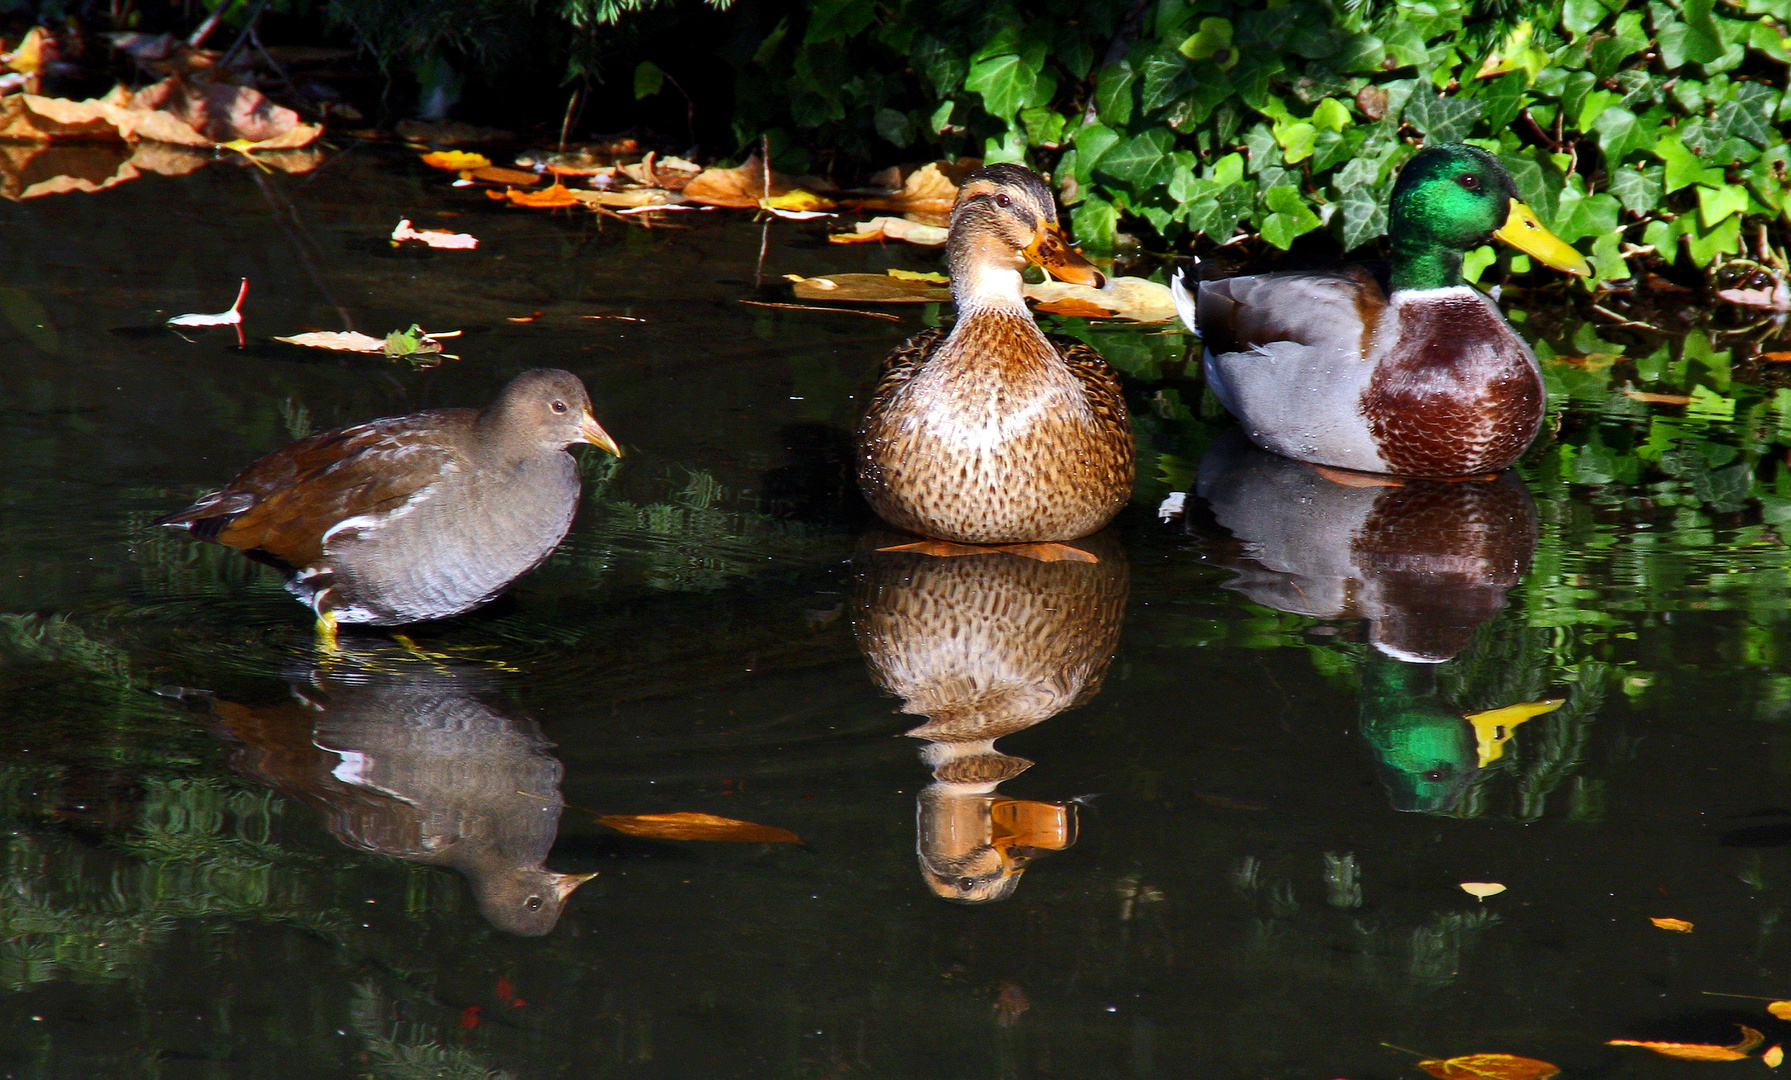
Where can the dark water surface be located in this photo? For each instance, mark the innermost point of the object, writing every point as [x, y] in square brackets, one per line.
[226, 857]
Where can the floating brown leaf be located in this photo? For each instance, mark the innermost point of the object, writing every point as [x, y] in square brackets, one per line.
[1673, 924]
[696, 826]
[740, 188]
[869, 289]
[1701, 1051]
[497, 174]
[216, 113]
[926, 196]
[1133, 298]
[342, 341]
[1488, 1067]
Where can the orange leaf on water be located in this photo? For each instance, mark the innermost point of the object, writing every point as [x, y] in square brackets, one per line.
[1489, 1067]
[1777, 357]
[695, 826]
[1673, 924]
[1774, 1056]
[454, 160]
[1701, 1051]
[1780, 1009]
[555, 195]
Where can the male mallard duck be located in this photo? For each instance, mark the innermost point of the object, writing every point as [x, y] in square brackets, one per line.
[994, 433]
[1419, 376]
[412, 517]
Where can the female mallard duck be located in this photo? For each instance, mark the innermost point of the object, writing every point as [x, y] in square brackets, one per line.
[994, 433]
[1418, 376]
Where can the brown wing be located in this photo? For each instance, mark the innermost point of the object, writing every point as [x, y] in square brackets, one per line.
[284, 503]
[1099, 381]
[1326, 307]
[903, 363]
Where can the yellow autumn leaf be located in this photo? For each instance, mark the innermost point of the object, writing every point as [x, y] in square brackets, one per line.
[919, 275]
[798, 200]
[1480, 890]
[1780, 1009]
[1774, 1056]
[1673, 924]
[453, 160]
[1493, 728]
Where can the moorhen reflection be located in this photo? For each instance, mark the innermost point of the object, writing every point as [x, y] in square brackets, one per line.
[983, 646]
[411, 759]
[1426, 562]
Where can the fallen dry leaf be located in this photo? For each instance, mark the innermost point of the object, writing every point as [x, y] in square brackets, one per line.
[1778, 298]
[1780, 1009]
[341, 341]
[435, 238]
[798, 201]
[1131, 298]
[869, 288]
[1480, 890]
[739, 188]
[919, 275]
[879, 229]
[1700, 1051]
[1489, 1067]
[1657, 399]
[633, 199]
[556, 194]
[1777, 357]
[497, 174]
[1774, 1056]
[455, 160]
[927, 196]
[217, 113]
[696, 826]
[1680, 925]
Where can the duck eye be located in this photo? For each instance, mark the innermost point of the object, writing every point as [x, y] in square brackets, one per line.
[1469, 181]
[559, 406]
[1002, 200]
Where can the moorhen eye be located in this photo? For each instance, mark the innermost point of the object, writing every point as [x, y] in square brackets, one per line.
[559, 406]
[533, 903]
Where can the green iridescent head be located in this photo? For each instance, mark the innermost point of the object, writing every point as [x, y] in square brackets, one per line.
[1450, 198]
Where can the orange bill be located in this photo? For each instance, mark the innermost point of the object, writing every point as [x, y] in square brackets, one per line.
[1523, 232]
[596, 436]
[1051, 251]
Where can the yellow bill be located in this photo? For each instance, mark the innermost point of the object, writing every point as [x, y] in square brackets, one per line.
[1051, 251]
[1523, 232]
[596, 436]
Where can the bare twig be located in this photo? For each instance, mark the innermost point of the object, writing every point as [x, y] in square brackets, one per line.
[198, 36]
[566, 124]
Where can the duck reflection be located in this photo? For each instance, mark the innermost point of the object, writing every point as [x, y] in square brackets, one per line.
[983, 646]
[410, 759]
[1425, 562]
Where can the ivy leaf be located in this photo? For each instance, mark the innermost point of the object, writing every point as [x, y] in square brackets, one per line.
[648, 79]
[1290, 219]
[1165, 78]
[1296, 140]
[1684, 167]
[1443, 119]
[1717, 203]
[1006, 79]
[833, 20]
[1113, 93]
[1746, 116]
[895, 126]
[1620, 133]
[1501, 99]
[1229, 208]
[1092, 143]
[1539, 184]
[1142, 161]
[1364, 216]
[1639, 189]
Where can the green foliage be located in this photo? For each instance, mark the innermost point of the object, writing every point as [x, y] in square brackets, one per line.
[1652, 126]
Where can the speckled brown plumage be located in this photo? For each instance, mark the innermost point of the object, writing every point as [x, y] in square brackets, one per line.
[1003, 436]
[991, 433]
